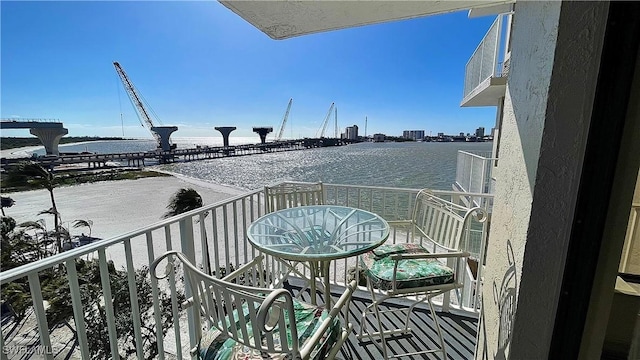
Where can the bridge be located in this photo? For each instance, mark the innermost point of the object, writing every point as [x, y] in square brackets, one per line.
[138, 159]
[48, 131]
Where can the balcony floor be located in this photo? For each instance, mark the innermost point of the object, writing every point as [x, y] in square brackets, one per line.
[459, 332]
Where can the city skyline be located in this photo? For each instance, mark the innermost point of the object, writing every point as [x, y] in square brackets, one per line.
[199, 66]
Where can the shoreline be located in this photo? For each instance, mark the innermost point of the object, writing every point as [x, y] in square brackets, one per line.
[108, 204]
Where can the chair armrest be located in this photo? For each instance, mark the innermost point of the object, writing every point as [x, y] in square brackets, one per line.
[456, 254]
[335, 310]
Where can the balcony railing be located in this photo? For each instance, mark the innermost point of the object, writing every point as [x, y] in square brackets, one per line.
[214, 237]
[485, 62]
[473, 173]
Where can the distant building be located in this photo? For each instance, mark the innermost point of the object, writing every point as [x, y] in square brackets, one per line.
[379, 137]
[480, 132]
[351, 132]
[413, 134]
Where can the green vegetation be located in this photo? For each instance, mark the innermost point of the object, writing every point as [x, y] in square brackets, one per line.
[30, 241]
[17, 142]
[10, 183]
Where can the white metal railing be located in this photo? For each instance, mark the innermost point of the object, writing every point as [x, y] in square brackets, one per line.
[484, 63]
[397, 204]
[214, 238]
[473, 172]
[219, 228]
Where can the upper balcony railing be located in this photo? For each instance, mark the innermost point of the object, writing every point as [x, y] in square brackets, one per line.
[214, 238]
[485, 62]
[473, 173]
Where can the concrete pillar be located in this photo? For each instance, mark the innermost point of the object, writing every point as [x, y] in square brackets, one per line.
[225, 131]
[50, 138]
[262, 131]
[164, 132]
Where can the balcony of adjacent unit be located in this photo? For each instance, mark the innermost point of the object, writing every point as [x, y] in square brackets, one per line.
[486, 71]
[474, 174]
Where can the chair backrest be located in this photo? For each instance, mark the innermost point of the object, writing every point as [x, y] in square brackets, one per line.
[440, 221]
[244, 313]
[288, 195]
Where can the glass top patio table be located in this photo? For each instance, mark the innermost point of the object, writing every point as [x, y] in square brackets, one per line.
[318, 233]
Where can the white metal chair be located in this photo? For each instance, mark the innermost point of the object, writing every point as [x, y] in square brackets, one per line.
[236, 321]
[427, 265]
[291, 194]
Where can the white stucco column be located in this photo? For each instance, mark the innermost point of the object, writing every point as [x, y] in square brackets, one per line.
[555, 58]
[50, 138]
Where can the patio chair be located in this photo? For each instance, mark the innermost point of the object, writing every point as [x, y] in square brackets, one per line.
[291, 194]
[239, 316]
[287, 195]
[427, 265]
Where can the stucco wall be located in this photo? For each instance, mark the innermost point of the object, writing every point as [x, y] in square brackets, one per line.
[546, 118]
[533, 43]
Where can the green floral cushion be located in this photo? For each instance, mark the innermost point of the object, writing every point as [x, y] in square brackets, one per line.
[216, 346]
[410, 274]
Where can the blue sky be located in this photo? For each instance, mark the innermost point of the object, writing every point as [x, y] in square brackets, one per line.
[198, 65]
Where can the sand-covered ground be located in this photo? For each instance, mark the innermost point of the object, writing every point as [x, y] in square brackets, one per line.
[114, 207]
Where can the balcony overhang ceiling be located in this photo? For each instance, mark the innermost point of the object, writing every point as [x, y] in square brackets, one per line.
[285, 19]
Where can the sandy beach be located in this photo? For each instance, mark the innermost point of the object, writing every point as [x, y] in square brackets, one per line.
[115, 207]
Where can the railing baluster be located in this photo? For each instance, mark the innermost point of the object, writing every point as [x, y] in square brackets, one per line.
[216, 249]
[78, 310]
[108, 303]
[244, 228]
[156, 299]
[225, 228]
[252, 218]
[236, 238]
[174, 299]
[133, 297]
[38, 307]
[206, 266]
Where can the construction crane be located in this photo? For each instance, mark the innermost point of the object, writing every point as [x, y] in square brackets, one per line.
[284, 121]
[136, 99]
[322, 129]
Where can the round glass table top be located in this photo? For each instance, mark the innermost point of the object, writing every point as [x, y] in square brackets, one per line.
[320, 232]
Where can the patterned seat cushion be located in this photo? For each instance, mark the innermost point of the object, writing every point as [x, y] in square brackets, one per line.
[378, 267]
[216, 346]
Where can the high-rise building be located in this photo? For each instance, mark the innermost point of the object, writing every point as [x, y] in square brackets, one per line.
[352, 132]
[413, 134]
[480, 132]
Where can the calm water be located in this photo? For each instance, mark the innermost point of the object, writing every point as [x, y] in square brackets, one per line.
[408, 165]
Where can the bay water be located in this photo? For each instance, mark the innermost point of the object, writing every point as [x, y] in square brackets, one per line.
[394, 164]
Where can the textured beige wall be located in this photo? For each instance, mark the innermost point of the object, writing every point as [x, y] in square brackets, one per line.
[547, 111]
[533, 39]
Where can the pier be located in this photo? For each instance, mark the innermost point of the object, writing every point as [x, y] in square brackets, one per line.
[140, 159]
